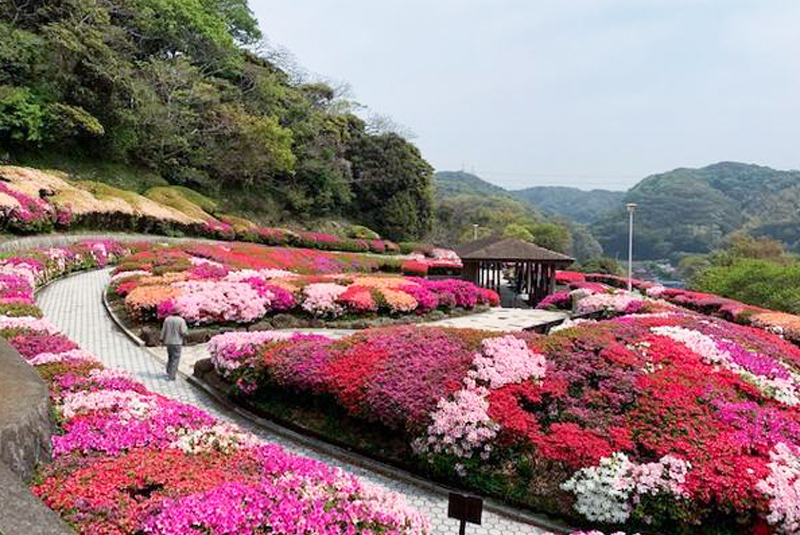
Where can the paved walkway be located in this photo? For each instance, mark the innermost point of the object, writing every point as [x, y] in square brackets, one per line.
[502, 319]
[75, 305]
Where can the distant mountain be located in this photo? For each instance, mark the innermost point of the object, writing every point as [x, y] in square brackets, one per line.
[451, 183]
[571, 203]
[692, 210]
[680, 211]
[462, 200]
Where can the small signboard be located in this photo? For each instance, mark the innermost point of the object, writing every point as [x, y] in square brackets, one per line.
[465, 508]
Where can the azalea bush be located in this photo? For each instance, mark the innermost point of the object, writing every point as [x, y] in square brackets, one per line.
[129, 461]
[212, 284]
[658, 419]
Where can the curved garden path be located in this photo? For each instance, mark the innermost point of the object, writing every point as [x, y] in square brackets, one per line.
[74, 304]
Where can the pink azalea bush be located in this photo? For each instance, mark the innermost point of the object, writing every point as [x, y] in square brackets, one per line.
[230, 351]
[206, 301]
[782, 487]
[320, 299]
[616, 302]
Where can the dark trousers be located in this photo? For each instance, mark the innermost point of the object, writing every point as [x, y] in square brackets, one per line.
[173, 359]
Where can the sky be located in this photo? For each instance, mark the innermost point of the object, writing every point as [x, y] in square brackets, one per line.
[584, 93]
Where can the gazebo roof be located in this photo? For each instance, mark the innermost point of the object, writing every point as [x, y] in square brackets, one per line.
[498, 248]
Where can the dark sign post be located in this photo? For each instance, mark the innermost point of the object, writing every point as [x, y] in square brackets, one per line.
[466, 509]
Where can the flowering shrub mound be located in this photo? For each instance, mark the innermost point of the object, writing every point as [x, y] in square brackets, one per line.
[212, 284]
[658, 419]
[128, 461]
[34, 201]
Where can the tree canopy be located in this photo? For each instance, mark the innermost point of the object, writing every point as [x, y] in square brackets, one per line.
[174, 87]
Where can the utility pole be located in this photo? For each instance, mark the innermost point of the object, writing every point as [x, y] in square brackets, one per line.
[631, 206]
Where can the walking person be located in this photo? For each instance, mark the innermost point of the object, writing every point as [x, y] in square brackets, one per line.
[173, 332]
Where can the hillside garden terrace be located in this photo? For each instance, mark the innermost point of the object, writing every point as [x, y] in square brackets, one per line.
[656, 419]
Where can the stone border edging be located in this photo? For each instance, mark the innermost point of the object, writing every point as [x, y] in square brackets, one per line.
[118, 322]
[23, 513]
[25, 425]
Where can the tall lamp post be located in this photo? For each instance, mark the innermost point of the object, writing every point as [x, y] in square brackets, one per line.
[631, 206]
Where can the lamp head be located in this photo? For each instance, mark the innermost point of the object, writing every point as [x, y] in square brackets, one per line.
[631, 206]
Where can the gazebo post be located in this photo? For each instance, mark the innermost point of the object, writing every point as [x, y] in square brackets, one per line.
[529, 281]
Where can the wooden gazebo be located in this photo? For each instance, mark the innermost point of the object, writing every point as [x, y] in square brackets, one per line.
[534, 267]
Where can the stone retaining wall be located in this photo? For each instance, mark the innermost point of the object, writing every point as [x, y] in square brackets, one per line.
[25, 425]
[25, 430]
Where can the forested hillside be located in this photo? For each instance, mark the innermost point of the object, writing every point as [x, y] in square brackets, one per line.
[684, 211]
[463, 200]
[693, 210]
[174, 89]
[451, 183]
[572, 203]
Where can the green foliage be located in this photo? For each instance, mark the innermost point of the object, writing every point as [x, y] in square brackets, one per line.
[392, 185]
[691, 265]
[753, 270]
[515, 230]
[71, 122]
[548, 235]
[455, 217]
[584, 245]
[181, 199]
[22, 117]
[571, 203]
[692, 211]
[463, 200]
[763, 283]
[169, 86]
[742, 245]
[452, 183]
[600, 264]
[208, 205]
[552, 236]
[360, 232]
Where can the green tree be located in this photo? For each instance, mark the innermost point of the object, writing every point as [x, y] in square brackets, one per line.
[22, 118]
[515, 230]
[552, 236]
[174, 87]
[392, 185]
[600, 264]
